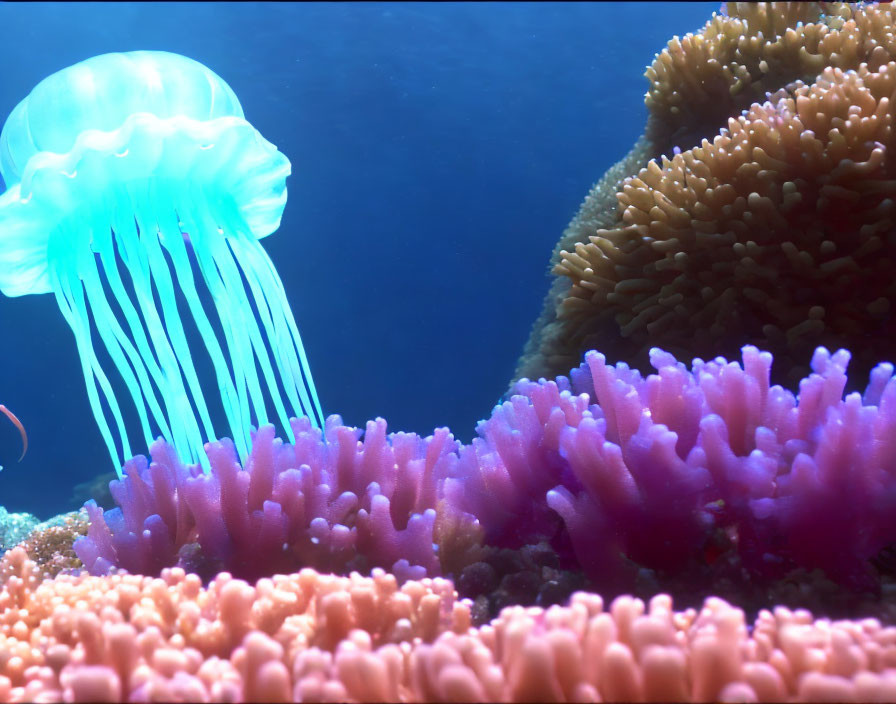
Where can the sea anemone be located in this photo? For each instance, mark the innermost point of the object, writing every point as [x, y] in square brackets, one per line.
[764, 225]
[777, 230]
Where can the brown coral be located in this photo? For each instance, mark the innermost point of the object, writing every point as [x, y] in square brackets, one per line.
[311, 637]
[737, 255]
[700, 80]
[779, 231]
[49, 545]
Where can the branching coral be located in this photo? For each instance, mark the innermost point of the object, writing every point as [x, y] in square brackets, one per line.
[646, 471]
[333, 505]
[617, 472]
[312, 637]
[772, 234]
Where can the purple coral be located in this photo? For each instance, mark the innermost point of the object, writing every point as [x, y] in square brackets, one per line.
[333, 505]
[645, 470]
[616, 470]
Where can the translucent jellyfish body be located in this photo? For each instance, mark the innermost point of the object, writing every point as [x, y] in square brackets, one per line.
[133, 180]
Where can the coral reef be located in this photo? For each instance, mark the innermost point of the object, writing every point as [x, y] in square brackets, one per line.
[243, 580]
[531, 575]
[50, 545]
[711, 473]
[749, 49]
[767, 227]
[14, 527]
[313, 637]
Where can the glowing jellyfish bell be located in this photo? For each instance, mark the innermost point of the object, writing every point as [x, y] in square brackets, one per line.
[131, 176]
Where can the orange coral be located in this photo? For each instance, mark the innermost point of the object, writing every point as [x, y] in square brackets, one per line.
[775, 207]
[312, 637]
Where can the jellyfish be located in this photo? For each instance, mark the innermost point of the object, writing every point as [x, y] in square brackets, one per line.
[137, 193]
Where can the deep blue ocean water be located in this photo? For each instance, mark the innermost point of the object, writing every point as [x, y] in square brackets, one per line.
[438, 152]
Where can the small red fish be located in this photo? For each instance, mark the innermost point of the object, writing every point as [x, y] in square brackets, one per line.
[21, 428]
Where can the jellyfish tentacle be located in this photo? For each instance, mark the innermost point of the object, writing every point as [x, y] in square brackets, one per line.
[69, 296]
[152, 349]
[231, 309]
[21, 428]
[258, 267]
[113, 343]
[247, 342]
[274, 337]
[262, 270]
[233, 280]
[142, 358]
[267, 292]
[161, 277]
[116, 341]
[174, 245]
[231, 323]
[184, 429]
[270, 300]
[238, 281]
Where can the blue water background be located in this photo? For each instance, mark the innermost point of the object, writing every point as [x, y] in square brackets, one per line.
[438, 151]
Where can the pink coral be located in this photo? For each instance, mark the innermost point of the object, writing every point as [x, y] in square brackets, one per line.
[648, 469]
[616, 471]
[335, 504]
[314, 637]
